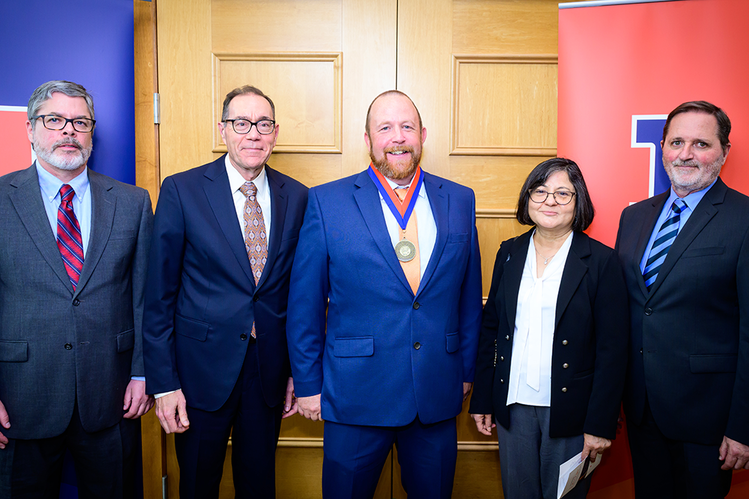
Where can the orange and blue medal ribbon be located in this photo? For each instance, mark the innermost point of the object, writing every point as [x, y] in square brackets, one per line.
[401, 210]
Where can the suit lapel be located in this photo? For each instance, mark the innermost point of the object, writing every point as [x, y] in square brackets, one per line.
[103, 204]
[279, 202]
[702, 214]
[574, 271]
[439, 202]
[367, 198]
[218, 193]
[646, 230]
[27, 200]
[512, 274]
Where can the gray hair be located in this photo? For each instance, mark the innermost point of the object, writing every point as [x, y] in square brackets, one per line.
[44, 92]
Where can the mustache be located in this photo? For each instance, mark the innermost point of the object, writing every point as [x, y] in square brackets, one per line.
[679, 162]
[70, 141]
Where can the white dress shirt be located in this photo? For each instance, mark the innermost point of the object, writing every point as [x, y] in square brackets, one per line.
[535, 317]
[263, 195]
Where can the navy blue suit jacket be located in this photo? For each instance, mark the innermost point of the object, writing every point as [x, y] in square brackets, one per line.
[689, 346]
[201, 297]
[387, 354]
[589, 354]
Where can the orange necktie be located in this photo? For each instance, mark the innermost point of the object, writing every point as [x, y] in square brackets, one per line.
[412, 269]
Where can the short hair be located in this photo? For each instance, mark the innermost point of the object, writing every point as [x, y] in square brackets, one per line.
[584, 211]
[44, 92]
[246, 89]
[701, 106]
[389, 92]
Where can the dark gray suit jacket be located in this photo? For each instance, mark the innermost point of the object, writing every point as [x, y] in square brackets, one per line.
[689, 346]
[58, 346]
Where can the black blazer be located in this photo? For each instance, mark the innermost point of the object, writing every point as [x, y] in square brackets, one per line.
[689, 347]
[589, 354]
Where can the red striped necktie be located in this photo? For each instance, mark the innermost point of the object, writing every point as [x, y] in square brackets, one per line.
[69, 238]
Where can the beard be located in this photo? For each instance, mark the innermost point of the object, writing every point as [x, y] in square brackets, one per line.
[696, 181]
[397, 170]
[64, 161]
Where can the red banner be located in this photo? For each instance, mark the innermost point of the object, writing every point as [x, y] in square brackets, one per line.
[623, 67]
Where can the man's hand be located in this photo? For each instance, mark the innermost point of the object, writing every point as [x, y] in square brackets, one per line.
[734, 455]
[5, 423]
[137, 403]
[290, 407]
[594, 445]
[466, 390]
[309, 407]
[172, 412]
[484, 423]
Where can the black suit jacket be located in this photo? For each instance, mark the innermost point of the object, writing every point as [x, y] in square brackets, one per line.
[59, 346]
[589, 354]
[689, 346]
[201, 297]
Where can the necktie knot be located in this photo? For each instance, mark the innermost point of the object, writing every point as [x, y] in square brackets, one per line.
[401, 193]
[66, 193]
[249, 189]
[678, 205]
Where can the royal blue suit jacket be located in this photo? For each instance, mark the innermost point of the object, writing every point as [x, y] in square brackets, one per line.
[201, 297]
[388, 355]
[689, 346]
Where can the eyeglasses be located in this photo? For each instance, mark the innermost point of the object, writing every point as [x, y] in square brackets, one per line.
[264, 127]
[54, 122]
[540, 195]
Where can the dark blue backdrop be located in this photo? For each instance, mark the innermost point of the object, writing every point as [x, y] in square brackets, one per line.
[89, 42]
[86, 41]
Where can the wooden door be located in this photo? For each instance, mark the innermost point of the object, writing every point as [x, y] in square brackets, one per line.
[482, 72]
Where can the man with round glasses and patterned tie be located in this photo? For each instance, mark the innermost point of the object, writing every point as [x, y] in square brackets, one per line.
[72, 273]
[685, 255]
[215, 350]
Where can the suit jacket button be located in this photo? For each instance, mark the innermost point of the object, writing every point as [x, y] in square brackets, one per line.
[564, 389]
[76, 302]
[243, 337]
[501, 380]
[648, 311]
[641, 351]
[564, 342]
[507, 337]
[416, 306]
[565, 365]
[255, 298]
[502, 358]
[417, 345]
[68, 346]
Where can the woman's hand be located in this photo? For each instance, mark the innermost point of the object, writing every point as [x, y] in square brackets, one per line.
[594, 446]
[484, 423]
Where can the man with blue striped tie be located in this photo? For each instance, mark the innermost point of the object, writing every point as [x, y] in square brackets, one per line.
[685, 255]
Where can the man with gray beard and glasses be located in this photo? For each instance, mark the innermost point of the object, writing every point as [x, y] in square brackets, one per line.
[72, 270]
[685, 255]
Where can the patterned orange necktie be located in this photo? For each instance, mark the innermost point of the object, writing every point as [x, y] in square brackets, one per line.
[255, 238]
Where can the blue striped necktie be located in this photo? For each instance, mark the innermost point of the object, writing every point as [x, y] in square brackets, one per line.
[663, 241]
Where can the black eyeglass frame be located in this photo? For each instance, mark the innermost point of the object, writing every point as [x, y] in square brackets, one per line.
[252, 123]
[65, 124]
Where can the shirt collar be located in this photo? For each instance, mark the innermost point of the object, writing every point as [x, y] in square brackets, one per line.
[50, 185]
[236, 180]
[692, 199]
